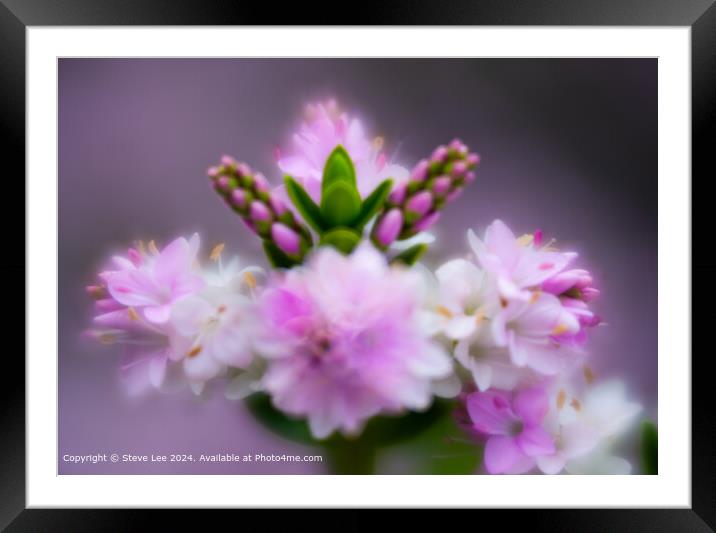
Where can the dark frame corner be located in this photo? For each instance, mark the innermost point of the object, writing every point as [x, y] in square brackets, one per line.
[700, 15]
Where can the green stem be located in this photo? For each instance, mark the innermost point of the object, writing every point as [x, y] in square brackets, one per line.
[351, 457]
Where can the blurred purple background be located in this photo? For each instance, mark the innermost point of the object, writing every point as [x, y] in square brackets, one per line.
[568, 146]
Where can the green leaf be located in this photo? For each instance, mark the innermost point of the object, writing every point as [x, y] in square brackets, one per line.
[343, 239]
[304, 203]
[340, 204]
[338, 168]
[372, 204]
[649, 449]
[276, 257]
[410, 256]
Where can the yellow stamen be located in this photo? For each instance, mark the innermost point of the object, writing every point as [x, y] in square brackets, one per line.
[132, 313]
[443, 311]
[107, 338]
[250, 280]
[140, 247]
[559, 329]
[526, 239]
[575, 403]
[194, 351]
[480, 316]
[152, 247]
[216, 252]
[378, 143]
[588, 375]
[561, 398]
[535, 296]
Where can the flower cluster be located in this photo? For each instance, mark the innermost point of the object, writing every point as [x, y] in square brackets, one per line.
[178, 323]
[341, 330]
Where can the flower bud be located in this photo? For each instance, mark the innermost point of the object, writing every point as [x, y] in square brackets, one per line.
[259, 212]
[420, 171]
[287, 240]
[454, 195]
[238, 198]
[397, 195]
[427, 221]
[439, 155]
[442, 185]
[260, 182]
[420, 203]
[388, 227]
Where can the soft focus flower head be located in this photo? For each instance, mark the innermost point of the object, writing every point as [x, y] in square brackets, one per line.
[344, 343]
[204, 330]
[513, 426]
[324, 127]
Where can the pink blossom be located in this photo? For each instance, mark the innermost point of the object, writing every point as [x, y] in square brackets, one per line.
[513, 425]
[325, 127]
[531, 331]
[159, 281]
[517, 263]
[343, 341]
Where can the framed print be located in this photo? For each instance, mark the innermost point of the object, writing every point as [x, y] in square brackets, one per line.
[422, 266]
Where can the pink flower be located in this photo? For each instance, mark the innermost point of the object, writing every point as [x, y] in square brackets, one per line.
[529, 273]
[532, 332]
[513, 426]
[343, 341]
[205, 332]
[159, 281]
[518, 264]
[325, 127]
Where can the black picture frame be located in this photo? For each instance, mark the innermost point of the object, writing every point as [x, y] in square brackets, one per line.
[16, 15]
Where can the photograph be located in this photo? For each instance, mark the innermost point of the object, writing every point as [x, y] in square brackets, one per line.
[357, 266]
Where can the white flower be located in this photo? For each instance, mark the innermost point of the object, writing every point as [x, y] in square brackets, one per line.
[585, 430]
[216, 321]
[464, 299]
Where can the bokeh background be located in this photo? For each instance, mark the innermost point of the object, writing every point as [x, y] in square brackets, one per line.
[567, 145]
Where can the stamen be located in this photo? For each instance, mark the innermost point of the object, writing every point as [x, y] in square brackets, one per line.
[221, 309]
[133, 315]
[216, 252]
[559, 329]
[576, 405]
[561, 398]
[525, 240]
[196, 350]
[535, 296]
[588, 375]
[250, 280]
[107, 338]
[152, 247]
[140, 246]
[503, 301]
[443, 311]
[378, 143]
